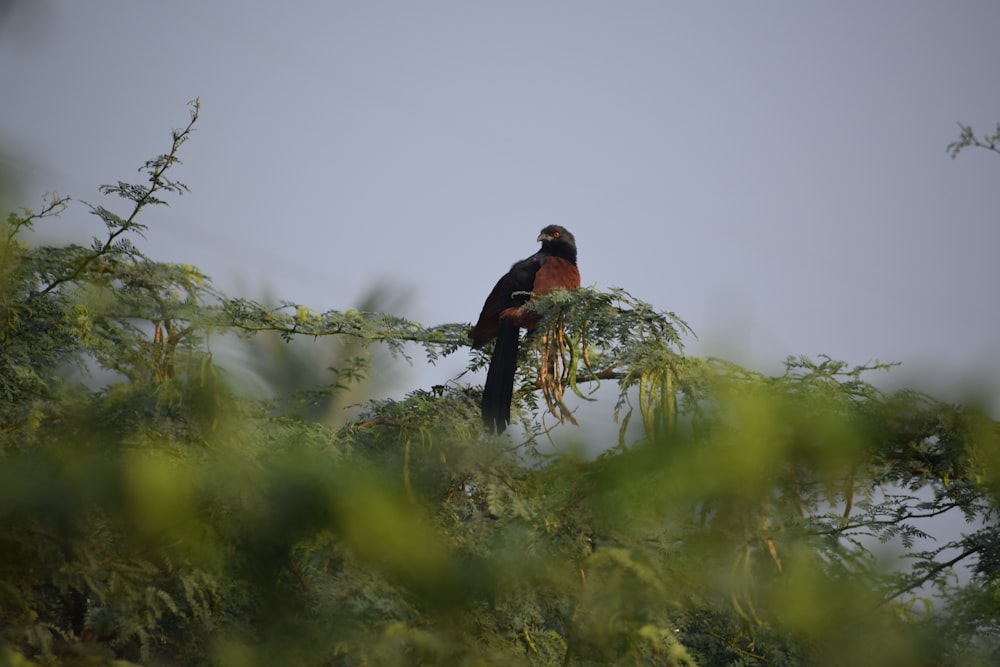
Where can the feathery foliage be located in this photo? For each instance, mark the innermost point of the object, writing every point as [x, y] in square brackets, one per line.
[153, 511]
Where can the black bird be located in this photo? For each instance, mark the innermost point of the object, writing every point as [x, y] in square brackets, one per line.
[552, 267]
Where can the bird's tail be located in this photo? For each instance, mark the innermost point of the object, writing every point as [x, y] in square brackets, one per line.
[499, 389]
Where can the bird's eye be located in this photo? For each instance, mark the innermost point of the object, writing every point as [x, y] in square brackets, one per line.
[555, 235]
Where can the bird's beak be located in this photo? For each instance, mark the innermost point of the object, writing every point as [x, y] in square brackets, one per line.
[544, 237]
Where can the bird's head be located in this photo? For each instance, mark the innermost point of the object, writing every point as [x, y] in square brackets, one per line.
[556, 237]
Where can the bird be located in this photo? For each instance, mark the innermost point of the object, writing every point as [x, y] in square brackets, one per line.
[503, 316]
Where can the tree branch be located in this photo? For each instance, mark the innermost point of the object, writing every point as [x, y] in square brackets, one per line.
[931, 574]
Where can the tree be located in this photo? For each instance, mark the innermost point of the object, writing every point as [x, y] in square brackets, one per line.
[155, 512]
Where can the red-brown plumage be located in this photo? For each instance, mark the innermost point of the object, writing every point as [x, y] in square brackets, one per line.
[552, 267]
[553, 273]
[485, 329]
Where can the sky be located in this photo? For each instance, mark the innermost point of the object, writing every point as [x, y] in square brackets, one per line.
[773, 172]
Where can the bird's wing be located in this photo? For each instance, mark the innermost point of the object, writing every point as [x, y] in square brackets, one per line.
[520, 278]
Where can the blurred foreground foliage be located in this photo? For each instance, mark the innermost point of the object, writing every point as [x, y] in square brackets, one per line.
[152, 511]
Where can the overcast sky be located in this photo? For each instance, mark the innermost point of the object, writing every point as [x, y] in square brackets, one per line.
[773, 172]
